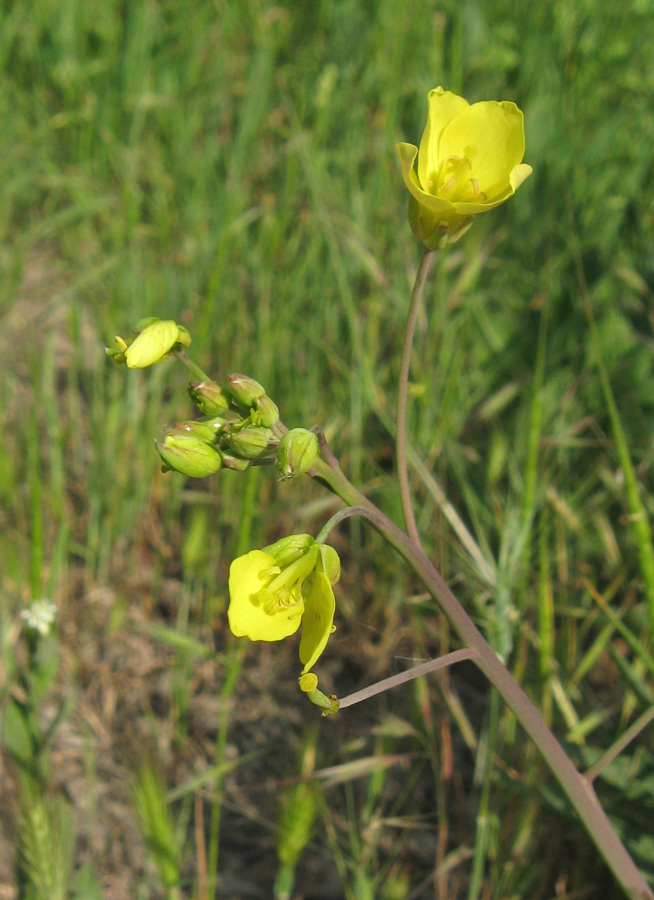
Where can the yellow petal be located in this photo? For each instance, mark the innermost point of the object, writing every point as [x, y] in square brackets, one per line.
[317, 620]
[519, 174]
[247, 618]
[152, 344]
[491, 135]
[443, 106]
[437, 205]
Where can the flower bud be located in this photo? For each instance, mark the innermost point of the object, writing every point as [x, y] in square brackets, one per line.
[117, 353]
[330, 563]
[245, 390]
[209, 397]
[152, 344]
[309, 685]
[268, 411]
[308, 682]
[154, 340]
[248, 442]
[298, 451]
[189, 455]
[200, 430]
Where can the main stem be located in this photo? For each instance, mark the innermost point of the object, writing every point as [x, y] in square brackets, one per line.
[579, 792]
[405, 366]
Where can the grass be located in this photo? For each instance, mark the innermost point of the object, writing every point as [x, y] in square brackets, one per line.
[233, 166]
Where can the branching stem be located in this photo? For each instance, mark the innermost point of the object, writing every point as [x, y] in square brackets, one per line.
[579, 791]
[402, 677]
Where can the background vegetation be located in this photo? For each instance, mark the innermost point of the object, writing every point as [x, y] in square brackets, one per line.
[232, 165]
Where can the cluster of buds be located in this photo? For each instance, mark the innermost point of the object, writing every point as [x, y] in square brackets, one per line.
[240, 427]
[235, 430]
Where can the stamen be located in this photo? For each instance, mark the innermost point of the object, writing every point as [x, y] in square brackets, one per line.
[270, 605]
[272, 602]
[448, 184]
[454, 176]
[287, 599]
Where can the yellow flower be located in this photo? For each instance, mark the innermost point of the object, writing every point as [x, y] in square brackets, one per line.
[470, 161]
[274, 590]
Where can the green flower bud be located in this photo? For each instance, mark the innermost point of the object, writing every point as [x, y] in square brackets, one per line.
[330, 563]
[236, 463]
[309, 685]
[117, 353]
[268, 411]
[245, 390]
[290, 548]
[298, 451]
[200, 430]
[248, 442]
[209, 397]
[188, 455]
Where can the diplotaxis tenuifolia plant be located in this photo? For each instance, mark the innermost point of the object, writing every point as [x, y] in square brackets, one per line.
[469, 161]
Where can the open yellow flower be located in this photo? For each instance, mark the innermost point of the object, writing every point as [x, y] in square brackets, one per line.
[274, 590]
[470, 161]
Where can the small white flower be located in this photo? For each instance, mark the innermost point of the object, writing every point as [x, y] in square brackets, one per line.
[39, 616]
